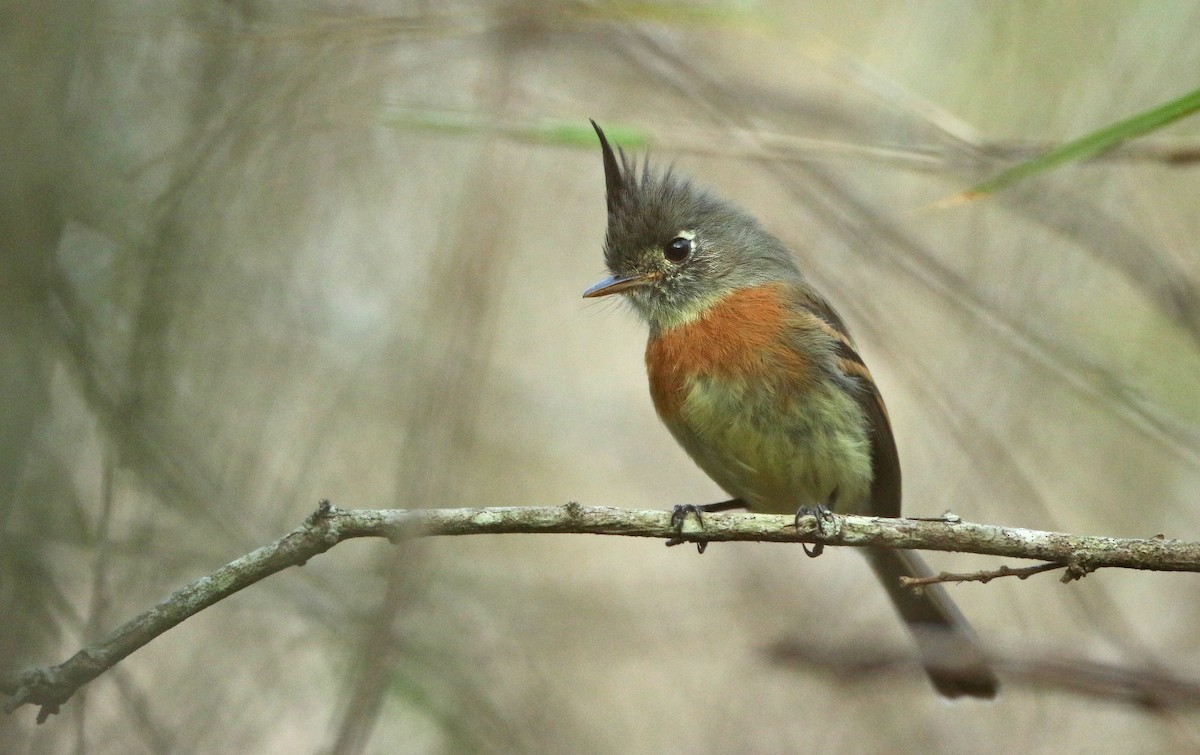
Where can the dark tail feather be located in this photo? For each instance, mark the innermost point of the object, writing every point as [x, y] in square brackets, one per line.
[949, 650]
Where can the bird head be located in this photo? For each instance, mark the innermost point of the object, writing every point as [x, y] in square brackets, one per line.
[673, 249]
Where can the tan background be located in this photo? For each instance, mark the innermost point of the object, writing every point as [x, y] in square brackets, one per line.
[245, 268]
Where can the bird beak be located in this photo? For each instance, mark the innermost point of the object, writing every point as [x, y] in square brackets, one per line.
[615, 285]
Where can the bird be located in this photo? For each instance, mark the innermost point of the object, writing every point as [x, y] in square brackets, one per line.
[757, 377]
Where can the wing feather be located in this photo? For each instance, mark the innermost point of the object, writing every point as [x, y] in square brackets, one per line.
[885, 460]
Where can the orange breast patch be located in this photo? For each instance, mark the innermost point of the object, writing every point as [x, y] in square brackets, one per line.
[741, 336]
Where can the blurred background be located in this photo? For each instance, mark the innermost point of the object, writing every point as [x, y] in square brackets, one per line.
[260, 253]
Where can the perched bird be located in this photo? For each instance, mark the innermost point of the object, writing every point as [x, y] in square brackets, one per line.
[757, 377]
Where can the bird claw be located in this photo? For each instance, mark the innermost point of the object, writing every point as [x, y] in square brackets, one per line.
[679, 517]
[680, 513]
[821, 513]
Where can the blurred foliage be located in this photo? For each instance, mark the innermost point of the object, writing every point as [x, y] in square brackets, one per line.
[547, 131]
[1145, 122]
[257, 254]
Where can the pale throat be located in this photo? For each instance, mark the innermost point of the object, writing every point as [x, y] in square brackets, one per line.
[677, 314]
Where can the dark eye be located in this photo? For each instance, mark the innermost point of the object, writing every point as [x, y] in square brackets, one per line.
[678, 250]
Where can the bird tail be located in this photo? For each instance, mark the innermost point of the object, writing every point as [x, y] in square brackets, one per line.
[949, 649]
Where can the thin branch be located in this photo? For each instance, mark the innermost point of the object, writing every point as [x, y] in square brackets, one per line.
[49, 687]
[1155, 689]
[989, 574]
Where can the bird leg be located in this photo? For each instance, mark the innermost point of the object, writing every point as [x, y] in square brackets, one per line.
[680, 513]
[821, 512]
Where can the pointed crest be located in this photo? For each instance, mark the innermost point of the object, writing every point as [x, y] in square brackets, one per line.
[613, 181]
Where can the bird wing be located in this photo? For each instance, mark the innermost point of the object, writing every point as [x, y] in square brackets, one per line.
[885, 460]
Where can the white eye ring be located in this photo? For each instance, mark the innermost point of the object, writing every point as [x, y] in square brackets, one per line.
[679, 249]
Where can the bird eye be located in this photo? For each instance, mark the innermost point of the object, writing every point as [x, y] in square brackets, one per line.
[678, 250]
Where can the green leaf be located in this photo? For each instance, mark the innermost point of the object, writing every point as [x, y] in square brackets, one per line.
[572, 133]
[1088, 146]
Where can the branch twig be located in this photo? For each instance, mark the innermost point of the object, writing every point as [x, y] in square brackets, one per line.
[51, 686]
[987, 575]
[1156, 689]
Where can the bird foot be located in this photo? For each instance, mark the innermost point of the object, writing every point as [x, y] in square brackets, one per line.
[680, 513]
[821, 513]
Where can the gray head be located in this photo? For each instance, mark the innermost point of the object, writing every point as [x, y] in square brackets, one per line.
[674, 248]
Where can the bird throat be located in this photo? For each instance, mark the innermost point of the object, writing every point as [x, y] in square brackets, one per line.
[742, 335]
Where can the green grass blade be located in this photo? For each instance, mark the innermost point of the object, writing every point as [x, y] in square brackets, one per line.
[1089, 145]
[553, 131]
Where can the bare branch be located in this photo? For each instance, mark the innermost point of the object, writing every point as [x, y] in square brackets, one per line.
[1154, 688]
[983, 576]
[49, 687]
